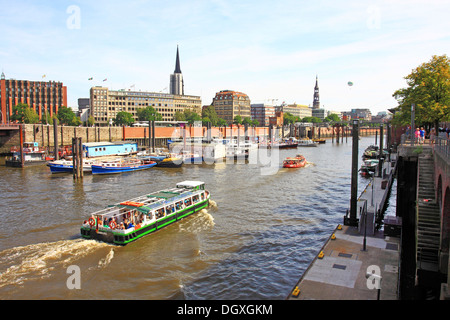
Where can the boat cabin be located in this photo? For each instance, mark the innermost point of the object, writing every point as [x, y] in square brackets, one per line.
[98, 149]
[149, 211]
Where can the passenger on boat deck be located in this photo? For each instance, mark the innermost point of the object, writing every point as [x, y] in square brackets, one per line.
[121, 226]
[125, 224]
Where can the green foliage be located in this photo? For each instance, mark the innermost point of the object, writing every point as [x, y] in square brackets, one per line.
[247, 121]
[191, 116]
[332, 118]
[289, 118]
[222, 122]
[67, 116]
[210, 113]
[237, 119]
[312, 119]
[123, 118]
[24, 114]
[148, 114]
[429, 89]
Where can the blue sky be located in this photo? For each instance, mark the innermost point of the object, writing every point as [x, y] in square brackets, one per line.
[270, 50]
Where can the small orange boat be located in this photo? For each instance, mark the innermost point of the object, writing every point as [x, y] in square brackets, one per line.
[294, 162]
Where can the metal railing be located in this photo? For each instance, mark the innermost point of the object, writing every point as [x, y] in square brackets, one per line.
[442, 146]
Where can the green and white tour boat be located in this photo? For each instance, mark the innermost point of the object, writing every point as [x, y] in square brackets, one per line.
[130, 220]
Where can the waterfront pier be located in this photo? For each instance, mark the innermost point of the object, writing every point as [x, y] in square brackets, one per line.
[408, 258]
[357, 262]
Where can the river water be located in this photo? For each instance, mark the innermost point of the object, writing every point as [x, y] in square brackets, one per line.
[261, 232]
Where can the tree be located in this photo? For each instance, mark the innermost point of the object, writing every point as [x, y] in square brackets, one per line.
[124, 118]
[30, 116]
[247, 120]
[237, 119]
[91, 121]
[255, 123]
[332, 118]
[179, 116]
[67, 116]
[222, 122]
[429, 89]
[148, 114]
[205, 120]
[191, 116]
[288, 118]
[311, 119]
[210, 113]
[24, 114]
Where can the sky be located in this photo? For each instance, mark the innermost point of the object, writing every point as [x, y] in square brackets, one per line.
[270, 50]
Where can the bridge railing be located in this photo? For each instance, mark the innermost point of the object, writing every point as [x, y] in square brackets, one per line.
[442, 146]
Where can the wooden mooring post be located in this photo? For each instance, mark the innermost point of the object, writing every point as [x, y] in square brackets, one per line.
[77, 158]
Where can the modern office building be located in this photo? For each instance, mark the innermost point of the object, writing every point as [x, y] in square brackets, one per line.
[297, 110]
[229, 104]
[45, 97]
[262, 112]
[105, 103]
[320, 113]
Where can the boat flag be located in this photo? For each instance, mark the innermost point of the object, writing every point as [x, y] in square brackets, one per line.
[43, 76]
[105, 79]
[90, 78]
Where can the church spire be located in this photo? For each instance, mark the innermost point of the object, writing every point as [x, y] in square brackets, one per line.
[176, 79]
[177, 63]
[316, 102]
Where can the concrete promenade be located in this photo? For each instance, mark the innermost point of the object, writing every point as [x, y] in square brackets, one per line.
[341, 273]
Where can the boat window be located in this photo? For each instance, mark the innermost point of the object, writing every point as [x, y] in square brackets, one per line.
[160, 213]
[203, 196]
[187, 202]
[195, 198]
[179, 205]
[170, 209]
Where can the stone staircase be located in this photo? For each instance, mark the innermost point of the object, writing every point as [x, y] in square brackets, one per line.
[428, 215]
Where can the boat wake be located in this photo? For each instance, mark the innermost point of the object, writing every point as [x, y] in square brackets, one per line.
[37, 261]
[201, 221]
[103, 263]
[212, 204]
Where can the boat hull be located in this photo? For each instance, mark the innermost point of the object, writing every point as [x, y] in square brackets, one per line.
[18, 164]
[98, 169]
[125, 238]
[293, 165]
[61, 168]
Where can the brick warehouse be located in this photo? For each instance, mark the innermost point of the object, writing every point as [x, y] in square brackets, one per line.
[39, 95]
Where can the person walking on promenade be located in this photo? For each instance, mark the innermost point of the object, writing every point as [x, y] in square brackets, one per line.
[417, 135]
[432, 135]
[422, 135]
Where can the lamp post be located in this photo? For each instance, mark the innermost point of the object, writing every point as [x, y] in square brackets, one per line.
[353, 221]
[413, 110]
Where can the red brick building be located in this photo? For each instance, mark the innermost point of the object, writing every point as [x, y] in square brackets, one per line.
[41, 96]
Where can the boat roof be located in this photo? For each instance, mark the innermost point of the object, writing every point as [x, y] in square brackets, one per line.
[107, 143]
[190, 184]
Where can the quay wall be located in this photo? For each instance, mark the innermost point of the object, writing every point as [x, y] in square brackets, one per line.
[44, 134]
[442, 183]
